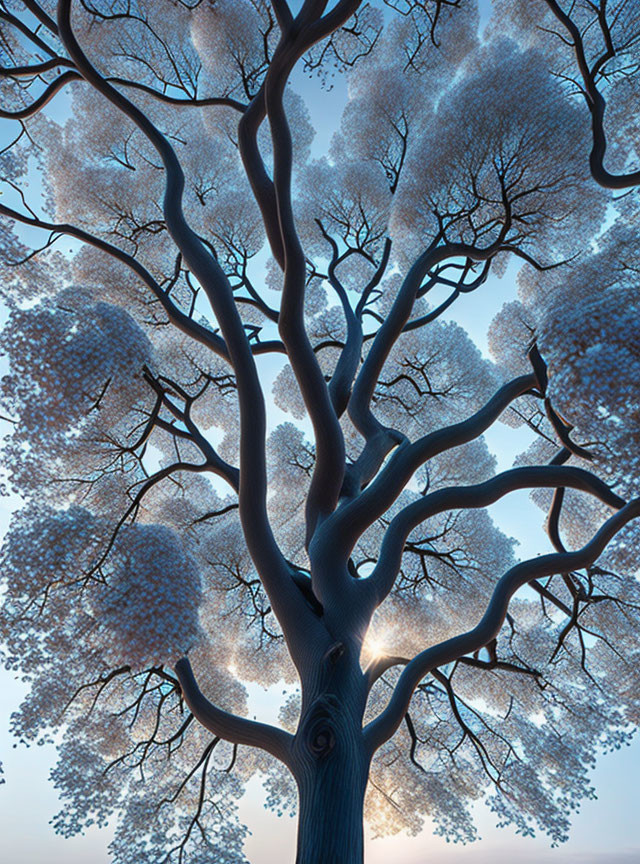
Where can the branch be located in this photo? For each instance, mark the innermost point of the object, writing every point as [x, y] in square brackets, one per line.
[45, 97]
[375, 279]
[396, 320]
[459, 288]
[237, 730]
[383, 576]
[283, 14]
[195, 102]
[291, 611]
[380, 440]
[342, 378]
[597, 106]
[259, 179]
[344, 527]
[25, 30]
[178, 318]
[383, 727]
[329, 466]
[214, 461]
[35, 69]
[41, 15]
[274, 200]
[73, 75]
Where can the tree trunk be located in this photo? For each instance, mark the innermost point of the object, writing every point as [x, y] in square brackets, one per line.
[332, 767]
[331, 796]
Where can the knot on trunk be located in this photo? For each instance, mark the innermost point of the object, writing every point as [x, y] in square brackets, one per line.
[334, 653]
[322, 740]
[319, 733]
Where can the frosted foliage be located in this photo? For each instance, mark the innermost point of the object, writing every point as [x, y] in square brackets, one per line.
[347, 46]
[43, 544]
[480, 727]
[396, 799]
[118, 189]
[286, 394]
[291, 459]
[530, 23]
[502, 170]
[160, 814]
[446, 560]
[165, 515]
[432, 377]
[145, 577]
[149, 611]
[455, 36]
[73, 364]
[237, 225]
[379, 119]
[594, 355]
[233, 601]
[37, 277]
[390, 104]
[351, 200]
[509, 335]
[234, 41]
[582, 316]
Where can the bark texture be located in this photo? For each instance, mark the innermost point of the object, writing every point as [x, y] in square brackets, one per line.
[331, 763]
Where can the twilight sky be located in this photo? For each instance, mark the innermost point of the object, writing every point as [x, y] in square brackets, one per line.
[604, 832]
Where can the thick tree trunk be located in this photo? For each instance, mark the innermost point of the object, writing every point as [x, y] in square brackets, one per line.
[330, 829]
[332, 766]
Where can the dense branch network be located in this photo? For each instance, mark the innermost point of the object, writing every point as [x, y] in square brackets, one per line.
[208, 245]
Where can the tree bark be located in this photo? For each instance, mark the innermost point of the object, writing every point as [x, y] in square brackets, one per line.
[331, 796]
[331, 765]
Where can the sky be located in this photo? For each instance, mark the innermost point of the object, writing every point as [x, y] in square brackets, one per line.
[604, 832]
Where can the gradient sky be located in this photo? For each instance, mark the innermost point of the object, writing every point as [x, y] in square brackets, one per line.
[604, 832]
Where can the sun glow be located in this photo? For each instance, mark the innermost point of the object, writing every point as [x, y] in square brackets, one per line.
[373, 648]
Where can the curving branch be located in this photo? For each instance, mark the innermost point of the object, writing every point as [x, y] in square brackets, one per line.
[367, 292]
[215, 463]
[293, 614]
[43, 99]
[384, 726]
[34, 69]
[255, 169]
[459, 287]
[37, 10]
[381, 580]
[596, 102]
[400, 313]
[359, 404]
[283, 14]
[344, 373]
[26, 31]
[179, 319]
[328, 472]
[237, 730]
[194, 102]
[380, 440]
[344, 527]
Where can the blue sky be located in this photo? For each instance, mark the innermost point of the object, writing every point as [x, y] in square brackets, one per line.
[605, 832]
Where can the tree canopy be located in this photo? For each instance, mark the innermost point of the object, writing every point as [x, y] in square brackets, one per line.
[246, 429]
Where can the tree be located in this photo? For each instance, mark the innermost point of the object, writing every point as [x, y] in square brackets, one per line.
[176, 542]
